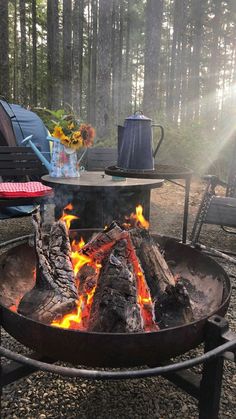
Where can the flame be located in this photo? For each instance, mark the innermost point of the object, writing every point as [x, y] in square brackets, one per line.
[143, 293]
[137, 218]
[67, 218]
[72, 318]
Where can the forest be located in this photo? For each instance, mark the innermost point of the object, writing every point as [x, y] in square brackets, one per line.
[103, 59]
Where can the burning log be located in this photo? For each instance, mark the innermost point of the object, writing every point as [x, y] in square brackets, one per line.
[170, 297]
[102, 243]
[54, 293]
[115, 307]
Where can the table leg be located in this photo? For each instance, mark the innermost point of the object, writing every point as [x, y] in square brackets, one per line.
[186, 206]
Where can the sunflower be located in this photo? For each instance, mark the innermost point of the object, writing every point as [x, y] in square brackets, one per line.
[88, 134]
[66, 141]
[76, 140]
[58, 132]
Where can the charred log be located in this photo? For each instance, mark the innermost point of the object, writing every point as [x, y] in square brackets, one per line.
[172, 303]
[173, 308]
[54, 293]
[156, 270]
[115, 307]
[100, 245]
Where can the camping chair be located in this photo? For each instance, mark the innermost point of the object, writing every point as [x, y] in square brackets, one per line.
[217, 210]
[17, 164]
[97, 158]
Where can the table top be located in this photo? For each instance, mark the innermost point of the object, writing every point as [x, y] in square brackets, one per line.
[160, 171]
[99, 180]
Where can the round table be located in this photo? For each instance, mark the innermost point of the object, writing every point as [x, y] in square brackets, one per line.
[98, 199]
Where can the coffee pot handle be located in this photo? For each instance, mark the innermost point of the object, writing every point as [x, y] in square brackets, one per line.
[161, 139]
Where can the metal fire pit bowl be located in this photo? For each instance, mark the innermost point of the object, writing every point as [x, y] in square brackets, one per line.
[208, 285]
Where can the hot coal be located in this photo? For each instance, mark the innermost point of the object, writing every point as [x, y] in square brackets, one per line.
[54, 293]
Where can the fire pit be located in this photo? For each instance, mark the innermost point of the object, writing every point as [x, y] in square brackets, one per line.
[17, 265]
[208, 285]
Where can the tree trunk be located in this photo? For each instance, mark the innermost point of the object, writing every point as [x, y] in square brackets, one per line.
[120, 52]
[34, 53]
[15, 56]
[4, 49]
[115, 59]
[67, 52]
[127, 96]
[94, 63]
[174, 75]
[23, 86]
[154, 11]
[53, 58]
[197, 11]
[214, 62]
[104, 69]
[89, 37]
[78, 27]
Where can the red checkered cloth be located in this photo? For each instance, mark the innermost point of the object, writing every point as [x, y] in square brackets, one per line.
[23, 189]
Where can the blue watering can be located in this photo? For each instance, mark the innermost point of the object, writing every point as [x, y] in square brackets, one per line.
[64, 162]
[135, 143]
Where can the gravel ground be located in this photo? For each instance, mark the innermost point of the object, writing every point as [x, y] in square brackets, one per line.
[43, 395]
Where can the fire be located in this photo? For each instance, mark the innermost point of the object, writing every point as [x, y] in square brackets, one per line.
[67, 218]
[137, 219]
[72, 319]
[78, 319]
[143, 293]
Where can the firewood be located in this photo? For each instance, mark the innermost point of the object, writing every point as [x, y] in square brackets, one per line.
[101, 244]
[168, 294]
[115, 307]
[157, 272]
[173, 308]
[54, 293]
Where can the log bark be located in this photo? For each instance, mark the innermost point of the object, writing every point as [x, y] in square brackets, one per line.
[115, 307]
[99, 245]
[156, 270]
[54, 293]
[172, 303]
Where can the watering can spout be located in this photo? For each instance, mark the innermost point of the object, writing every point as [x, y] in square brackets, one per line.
[41, 157]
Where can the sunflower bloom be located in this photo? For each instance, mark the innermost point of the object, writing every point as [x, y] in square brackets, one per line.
[58, 132]
[66, 141]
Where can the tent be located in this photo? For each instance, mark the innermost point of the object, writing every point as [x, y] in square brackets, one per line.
[16, 123]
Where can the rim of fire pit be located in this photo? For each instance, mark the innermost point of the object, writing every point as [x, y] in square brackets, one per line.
[160, 171]
[23, 239]
[119, 375]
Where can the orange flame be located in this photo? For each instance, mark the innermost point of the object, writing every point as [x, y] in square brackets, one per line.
[67, 218]
[143, 294]
[78, 320]
[138, 218]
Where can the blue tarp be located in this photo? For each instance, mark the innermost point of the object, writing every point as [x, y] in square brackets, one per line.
[27, 123]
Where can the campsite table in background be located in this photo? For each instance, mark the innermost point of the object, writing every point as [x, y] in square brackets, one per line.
[98, 199]
[162, 171]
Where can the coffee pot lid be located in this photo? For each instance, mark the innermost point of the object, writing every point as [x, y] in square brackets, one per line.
[138, 116]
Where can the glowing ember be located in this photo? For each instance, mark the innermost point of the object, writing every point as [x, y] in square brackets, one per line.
[72, 320]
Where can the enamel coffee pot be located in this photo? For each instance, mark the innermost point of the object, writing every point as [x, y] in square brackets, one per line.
[135, 143]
